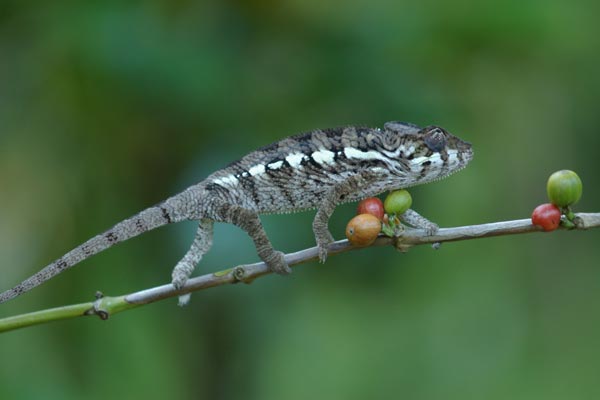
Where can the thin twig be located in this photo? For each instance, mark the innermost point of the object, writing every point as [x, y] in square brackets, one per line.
[106, 306]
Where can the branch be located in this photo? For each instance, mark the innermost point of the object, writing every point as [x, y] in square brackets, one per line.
[106, 306]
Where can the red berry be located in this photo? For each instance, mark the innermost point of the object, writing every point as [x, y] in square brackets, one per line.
[547, 216]
[371, 205]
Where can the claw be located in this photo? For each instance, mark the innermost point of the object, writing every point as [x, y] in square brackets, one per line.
[322, 254]
[324, 248]
[181, 274]
[431, 229]
[278, 264]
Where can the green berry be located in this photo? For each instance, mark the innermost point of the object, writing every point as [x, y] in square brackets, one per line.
[397, 202]
[564, 188]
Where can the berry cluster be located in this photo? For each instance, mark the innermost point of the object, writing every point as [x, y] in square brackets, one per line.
[374, 216]
[564, 189]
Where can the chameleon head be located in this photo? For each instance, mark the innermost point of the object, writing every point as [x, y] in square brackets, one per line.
[424, 154]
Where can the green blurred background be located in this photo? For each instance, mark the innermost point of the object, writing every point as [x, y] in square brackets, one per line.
[109, 107]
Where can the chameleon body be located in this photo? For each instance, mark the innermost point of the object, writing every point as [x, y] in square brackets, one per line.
[314, 170]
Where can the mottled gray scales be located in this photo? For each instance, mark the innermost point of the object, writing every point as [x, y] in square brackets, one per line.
[314, 170]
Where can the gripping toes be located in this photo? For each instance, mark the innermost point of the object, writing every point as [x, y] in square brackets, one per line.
[322, 234]
[323, 242]
[326, 208]
[413, 218]
[181, 274]
[323, 249]
[184, 268]
[431, 228]
[276, 263]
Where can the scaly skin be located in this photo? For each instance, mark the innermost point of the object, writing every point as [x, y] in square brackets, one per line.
[318, 169]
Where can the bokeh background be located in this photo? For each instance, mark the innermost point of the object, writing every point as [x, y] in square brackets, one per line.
[109, 107]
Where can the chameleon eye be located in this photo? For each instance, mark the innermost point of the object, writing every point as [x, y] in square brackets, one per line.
[435, 138]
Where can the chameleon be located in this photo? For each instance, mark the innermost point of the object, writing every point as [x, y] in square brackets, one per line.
[314, 170]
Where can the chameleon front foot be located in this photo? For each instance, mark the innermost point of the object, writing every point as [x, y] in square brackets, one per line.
[323, 252]
[415, 219]
[323, 246]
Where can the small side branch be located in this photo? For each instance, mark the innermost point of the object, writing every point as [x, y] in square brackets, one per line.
[107, 306]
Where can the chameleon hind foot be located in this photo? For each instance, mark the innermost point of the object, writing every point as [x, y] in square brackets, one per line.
[276, 263]
[184, 268]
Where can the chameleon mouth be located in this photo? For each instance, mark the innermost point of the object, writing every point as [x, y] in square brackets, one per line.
[462, 164]
[469, 157]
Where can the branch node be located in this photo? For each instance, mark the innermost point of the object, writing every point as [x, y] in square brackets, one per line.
[239, 273]
[96, 310]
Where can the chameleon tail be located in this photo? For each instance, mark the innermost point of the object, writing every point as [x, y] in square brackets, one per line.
[151, 218]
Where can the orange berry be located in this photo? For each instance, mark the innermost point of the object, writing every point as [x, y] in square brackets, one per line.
[363, 229]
